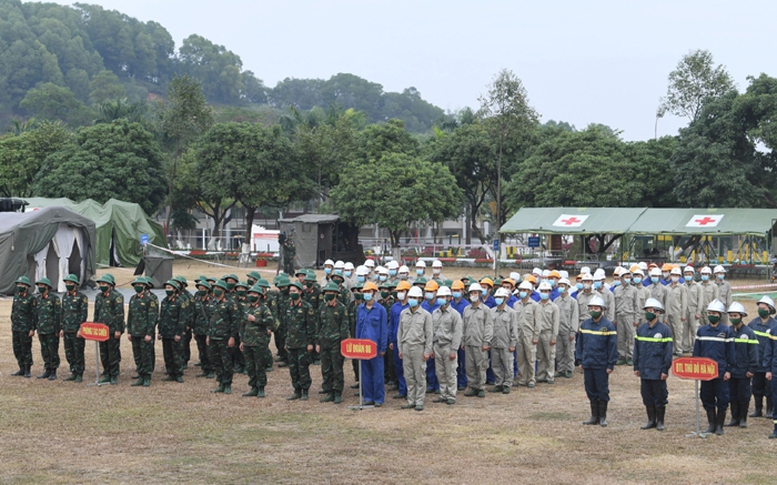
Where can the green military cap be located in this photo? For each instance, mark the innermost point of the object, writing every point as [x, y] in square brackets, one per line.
[391, 284]
[297, 284]
[44, 281]
[282, 281]
[175, 284]
[338, 276]
[301, 272]
[107, 278]
[241, 284]
[310, 276]
[255, 275]
[202, 277]
[148, 281]
[24, 280]
[420, 281]
[447, 283]
[498, 282]
[231, 276]
[221, 284]
[181, 280]
[263, 283]
[331, 286]
[211, 279]
[204, 284]
[139, 281]
[72, 278]
[256, 289]
[357, 286]
[384, 284]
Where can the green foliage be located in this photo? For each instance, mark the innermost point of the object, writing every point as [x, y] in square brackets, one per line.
[22, 156]
[120, 160]
[105, 86]
[51, 102]
[111, 111]
[695, 80]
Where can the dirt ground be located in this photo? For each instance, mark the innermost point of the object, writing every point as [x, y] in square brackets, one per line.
[60, 432]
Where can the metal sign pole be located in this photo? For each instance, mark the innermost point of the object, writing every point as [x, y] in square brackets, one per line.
[96, 363]
[361, 391]
[698, 427]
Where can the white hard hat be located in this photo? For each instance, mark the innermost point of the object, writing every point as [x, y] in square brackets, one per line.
[617, 271]
[475, 287]
[436, 263]
[639, 272]
[706, 270]
[362, 271]
[655, 272]
[597, 301]
[381, 270]
[369, 263]
[420, 264]
[716, 306]
[767, 301]
[525, 285]
[588, 277]
[329, 262]
[599, 275]
[392, 265]
[642, 265]
[719, 269]
[689, 269]
[403, 269]
[564, 281]
[676, 271]
[502, 292]
[737, 307]
[339, 264]
[564, 273]
[348, 265]
[654, 304]
[444, 291]
[625, 271]
[515, 276]
[415, 292]
[536, 271]
[545, 286]
[585, 270]
[545, 273]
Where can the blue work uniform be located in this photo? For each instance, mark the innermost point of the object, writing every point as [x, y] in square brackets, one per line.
[770, 362]
[717, 343]
[762, 387]
[461, 369]
[597, 351]
[371, 324]
[396, 310]
[745, 361]
[653, 349]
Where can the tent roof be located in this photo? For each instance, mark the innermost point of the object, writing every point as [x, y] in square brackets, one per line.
[573, 220]
[314, 218]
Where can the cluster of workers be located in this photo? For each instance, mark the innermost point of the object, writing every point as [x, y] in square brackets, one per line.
[433, 335]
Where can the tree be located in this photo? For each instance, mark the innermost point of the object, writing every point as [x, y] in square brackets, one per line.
[22, 156]
[51, 102]
[105, 86]
[111, 111]
[695, 80]
[120, 160]
[393, 191]
[181, 119]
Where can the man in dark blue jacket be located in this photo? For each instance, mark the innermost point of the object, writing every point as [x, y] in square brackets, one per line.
[597, 351]
[652, 360]
[745, 365]
[372, 324]
[770, 361]
[762, 325]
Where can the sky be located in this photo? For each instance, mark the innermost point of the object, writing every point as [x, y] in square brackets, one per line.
[581, 62]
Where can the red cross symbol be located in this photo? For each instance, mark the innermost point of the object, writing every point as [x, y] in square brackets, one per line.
[705, 221]
[570, 221]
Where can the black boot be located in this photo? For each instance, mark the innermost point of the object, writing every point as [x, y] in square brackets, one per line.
[660, 412]
[721, 418]
[603, 413]
[711, 421]
[734, 415]
[594, 413]
[769, 406]
[19, 372]
[45, 375]
[743, 414]
[28, 371]
[651, 412]
[759, 406]
[53, 375]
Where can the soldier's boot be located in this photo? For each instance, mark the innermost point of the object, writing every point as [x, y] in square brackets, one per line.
[72, 377]
[721, 418]
[710, 421]
[114, 380]
[146, 381]
[743, 414]
[227, 388]
[304, 396]
[603, 413]
[28, 372]
[79, 378]
[138, 382]
[758, 401]
[594, 412]
[774, 433]
[106, 379]
[45, 375]
[338, 397]
[20, 372]
[202, 374]
[169, 378]
[252, 393]
[651, 413]
[179, 379]
[297, 394]
[260, 392]
[734, 415]
[660, 413]
[53, 375]
[218, 389]
[328, 398]
[769, 406]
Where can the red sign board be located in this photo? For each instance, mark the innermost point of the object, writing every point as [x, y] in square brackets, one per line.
[697, 368]
[95, 331]
[361, 349]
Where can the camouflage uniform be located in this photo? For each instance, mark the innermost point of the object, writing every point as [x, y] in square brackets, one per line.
[289, 251]
[173, 312]
[200, 306]
[256, 342]
[24, 318]
[300, 318]
[279, 310]
[352, 306]
[188, 318]
[49, 318]
[333, 325]
[224, 318]
[142, 318]
[238, 359]
[109, 310]
[75, 311]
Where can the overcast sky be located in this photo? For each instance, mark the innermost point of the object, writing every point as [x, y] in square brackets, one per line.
[581, 62]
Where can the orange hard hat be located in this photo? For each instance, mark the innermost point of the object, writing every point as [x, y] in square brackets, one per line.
[457, 285]
[403, 285]
[431, 286]
[369, 286]
[487, 281]
[531, 279]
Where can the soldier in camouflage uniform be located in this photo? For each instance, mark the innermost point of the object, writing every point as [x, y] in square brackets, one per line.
[238, 358]
[300, 318]
[279, 310]
[289, 252]
[312, 294]
[333, 325]
[343, 293]
[188, 318]
[142, 317]
[356, 289]
[173, 312]
[222, 333]
[49, 326]
[24, 318]
[75, 311]
[109, 310]
[252, 278]
[256, 329]
[200, 304]
[150, 285]
[269, 302]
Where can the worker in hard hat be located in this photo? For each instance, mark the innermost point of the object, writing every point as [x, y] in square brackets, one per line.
[529, 325]
[676, 305]
[415, 335]
[372, 324]
[746, 353]
[666, 274]
[430, 305]
[653, 349]
[762, 326]
[420, 269]
[567, 330]
[478, 331]
[709, 292]
[627, 308]
[488, 287]
[637, 277]
[597, 351]
[724, 290]
[693, 311]
[657, 290]
[504, 341]
[447, 325]
[770, 362]
[437, 272]
[716, 341]
[600, 286]
[459, 302]
[396, 310]
[584, 296]
[548, 321]
[329, 268]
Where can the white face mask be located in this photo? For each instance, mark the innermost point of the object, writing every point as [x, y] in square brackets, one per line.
[401, 295]
[586, 286]
[436, 270]
[474, 298]
[675, 279]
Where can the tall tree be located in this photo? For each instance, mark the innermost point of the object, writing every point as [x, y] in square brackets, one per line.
[695, 80]
[22, 156]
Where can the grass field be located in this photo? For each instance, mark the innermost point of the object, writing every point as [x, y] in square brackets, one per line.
[60, 432]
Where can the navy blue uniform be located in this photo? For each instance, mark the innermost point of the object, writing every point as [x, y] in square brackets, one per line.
[597, 351]
[770, 362]
[745, 362]
[717, 343]
[396, 310]
[653, 348]
[762, 387]
[461, 374]
[371, 324]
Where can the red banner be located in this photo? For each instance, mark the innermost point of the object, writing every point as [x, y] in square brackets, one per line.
[696, 368]
[95, 331]
[360, 349]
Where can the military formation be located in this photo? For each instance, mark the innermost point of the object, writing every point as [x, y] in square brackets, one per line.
[434, 335]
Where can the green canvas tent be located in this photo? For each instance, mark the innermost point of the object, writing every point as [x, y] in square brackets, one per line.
[705, 222]
[573, 220]
[119, 228]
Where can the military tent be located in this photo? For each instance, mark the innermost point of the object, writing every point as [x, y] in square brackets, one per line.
[51, 242]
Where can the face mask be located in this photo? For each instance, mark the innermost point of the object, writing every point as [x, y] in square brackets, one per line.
[429, 295]
[474, 298]
[367, 296]
[654, 279]
[544, 296]
[688, 278]
[403, 276]
[241, 293]
[649, 316]
[637, 280]
[665, 275]
[579, 286]
[328, 270]
[392, 272]
[586, 286]
[308, 284]
[713, 319]
[169, 292]
[562, 289]
[294, 296]
[284, 290]
[201, 292]
[616, 283]
[597, 285]
[217, 292]
[523, 294]
[358, 297]
[705, 277]
[763, 313]
[412, 302]
[21, 288]
[42, 289]
[442, 302]
[382, 278]
[329, 297]
[339, 271]
[348, 273]
[104, 289]
[499, 301]
[231, 286]
[675, 279]
[626, 281]
[735, 321]
[360, 279]
[721, 276]
[253, 298]
[436, 270]
[138, 288]
[552, 283]
[401, 295]
[456, 295]
[384, 294]
[72, 288]
[419, 272]
[595, 314]
[251, 282]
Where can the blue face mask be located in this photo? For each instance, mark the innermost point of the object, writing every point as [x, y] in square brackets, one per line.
[339, 271]
[544, 296]
[412, 302]
[721, 276]
[457, 294]
[552, 283]
[522, 294]
[393, 272]
[348, 273]
[328, 270]
[499, 301]
[616, 283]
[562, 289]
[361, 279]
[579, 286]
[419, 272]
[382, 278]
[442, 302]
[367, 296]
[626, 281]
[654, 279]
[637, 280]
[705, 277]
[429, 295]
[597, 285]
